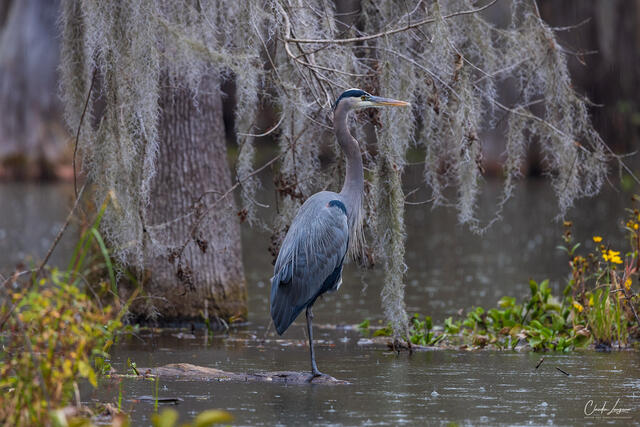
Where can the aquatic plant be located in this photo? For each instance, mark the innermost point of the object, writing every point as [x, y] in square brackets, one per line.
[421, 331]
[56, 330]
[599, 305]
[540, 322]
[447, 58]
[53, 335]
[601, 284]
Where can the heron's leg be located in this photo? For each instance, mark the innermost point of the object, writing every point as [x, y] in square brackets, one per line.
[314, 368]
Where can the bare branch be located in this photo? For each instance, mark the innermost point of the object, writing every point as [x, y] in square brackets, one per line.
[393, 31]
[268, 132]
[75, 146]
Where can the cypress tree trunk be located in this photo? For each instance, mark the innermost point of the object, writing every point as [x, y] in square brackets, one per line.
[33, 141]
[191, 160]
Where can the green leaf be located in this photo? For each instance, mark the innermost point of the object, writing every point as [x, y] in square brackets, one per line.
[535, 342]
[384, 332]
[544, 286]
[450, 327]
[428, 322]
[58, 418]
[536, 324]
[85, 370]
[107, 259]
[167, 418]
[212, 416]
[507, 302]
[546, 332]
[364, 325]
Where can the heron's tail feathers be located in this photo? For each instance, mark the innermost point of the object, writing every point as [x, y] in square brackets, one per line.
[286, 304]
[283, 312]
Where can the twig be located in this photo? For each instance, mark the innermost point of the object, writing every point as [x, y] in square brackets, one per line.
[519, 112]
[265, 133]
[17, 274]
[632, 307]
[623, 164]
[61, 231]
[567, 374]
[572, 27]
[416, 64]
[393, 31]
[68, 220]
[221, 198]
[309, 64]
[623, 289]
[75, 147]
[35, 363]
[415, 190]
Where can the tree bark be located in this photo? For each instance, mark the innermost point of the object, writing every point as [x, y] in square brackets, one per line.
[33, 140]
[192, 160]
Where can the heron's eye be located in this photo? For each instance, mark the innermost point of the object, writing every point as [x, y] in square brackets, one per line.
[363, 97]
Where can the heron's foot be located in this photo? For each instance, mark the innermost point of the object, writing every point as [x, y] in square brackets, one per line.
[315, 374]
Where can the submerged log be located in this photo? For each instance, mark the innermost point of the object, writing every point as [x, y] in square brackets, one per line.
[186, 371]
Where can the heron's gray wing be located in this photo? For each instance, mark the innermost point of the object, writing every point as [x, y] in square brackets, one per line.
[310, 259]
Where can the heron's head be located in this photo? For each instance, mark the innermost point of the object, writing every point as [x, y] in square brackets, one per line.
[357, 99]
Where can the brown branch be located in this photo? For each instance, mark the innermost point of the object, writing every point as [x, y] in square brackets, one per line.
[572, 27]
[519, 112]
[222, 196]
[36, 362]
[75, 147]
[15, 276]
[269, 131]
[77, 194]
[61, 231]
[393, 31]
[209, 208]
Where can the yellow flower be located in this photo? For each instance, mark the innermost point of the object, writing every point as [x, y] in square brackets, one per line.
[591, 300]
[635, 226]
[597, 239]
[578, 306]
[612, 256]
[627, 283]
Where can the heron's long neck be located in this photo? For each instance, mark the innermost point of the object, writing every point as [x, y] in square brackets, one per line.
[354, 179]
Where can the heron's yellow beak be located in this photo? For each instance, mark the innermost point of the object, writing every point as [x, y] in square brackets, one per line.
[378, 101]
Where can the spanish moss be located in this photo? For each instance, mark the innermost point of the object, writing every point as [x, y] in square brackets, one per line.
[449, 59]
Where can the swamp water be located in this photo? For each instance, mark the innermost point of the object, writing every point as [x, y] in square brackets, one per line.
[448, 269]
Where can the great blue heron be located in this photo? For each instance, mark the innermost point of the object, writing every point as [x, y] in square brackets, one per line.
[310, 260]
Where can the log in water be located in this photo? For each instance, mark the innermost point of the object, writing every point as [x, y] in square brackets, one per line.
[188, 371]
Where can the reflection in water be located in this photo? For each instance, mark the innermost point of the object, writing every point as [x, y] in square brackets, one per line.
[448, 268]
[30, 217]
